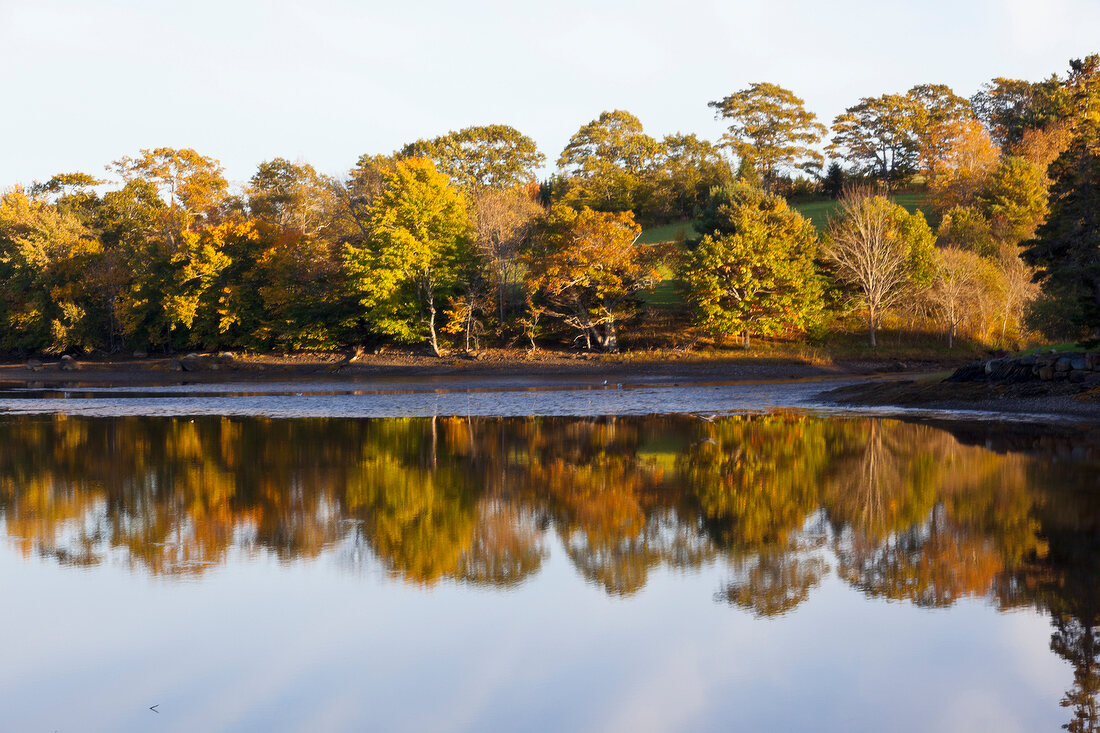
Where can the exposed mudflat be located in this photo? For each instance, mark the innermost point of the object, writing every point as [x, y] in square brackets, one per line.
[512, 364]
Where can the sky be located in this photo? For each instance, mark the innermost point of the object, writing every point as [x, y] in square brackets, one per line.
[86, 82]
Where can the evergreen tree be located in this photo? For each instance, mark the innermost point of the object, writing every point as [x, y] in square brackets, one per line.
[1066, 248]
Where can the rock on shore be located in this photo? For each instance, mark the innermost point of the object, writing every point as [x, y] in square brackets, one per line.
[1075, 367]
[1059, 384]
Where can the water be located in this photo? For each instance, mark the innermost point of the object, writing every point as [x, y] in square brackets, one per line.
[786, 570]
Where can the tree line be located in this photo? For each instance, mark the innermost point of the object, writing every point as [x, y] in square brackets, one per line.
[454, 241]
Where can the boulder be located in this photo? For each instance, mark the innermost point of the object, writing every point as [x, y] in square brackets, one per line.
[175, 365]
[1046, 373]
[141, 354]
[68, 364]
[969, 373]
[34, 363]
[1063, 364]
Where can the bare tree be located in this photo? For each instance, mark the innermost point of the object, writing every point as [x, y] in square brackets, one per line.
[958, 288]
[1018, 286]
[876, 247]
[504, 218]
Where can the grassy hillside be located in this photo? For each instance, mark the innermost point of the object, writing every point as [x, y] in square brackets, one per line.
[816, 211]
[675, 232]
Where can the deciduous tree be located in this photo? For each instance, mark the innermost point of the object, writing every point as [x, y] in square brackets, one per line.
[957, 291]
[683, 171]
[187, 178]
[879, 249]
[758, 274]
[1011, 107]
[1015, 197]
[587, 267]
[44, 255]
[962, 165]
[605, 161]
[940, 113]
[770, 126]
[504, 220]
[494, 156]
[879, 137]
[416, 254]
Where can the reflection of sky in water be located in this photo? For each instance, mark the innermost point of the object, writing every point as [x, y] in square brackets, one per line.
[309, 646]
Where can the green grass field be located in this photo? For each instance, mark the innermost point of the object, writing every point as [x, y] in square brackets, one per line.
[816, 211]
[676, 232]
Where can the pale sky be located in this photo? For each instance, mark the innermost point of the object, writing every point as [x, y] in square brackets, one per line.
[88, 81]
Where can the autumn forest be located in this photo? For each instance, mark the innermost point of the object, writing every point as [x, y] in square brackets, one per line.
[922, 211]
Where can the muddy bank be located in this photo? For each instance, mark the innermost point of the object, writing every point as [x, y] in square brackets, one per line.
[539, 367]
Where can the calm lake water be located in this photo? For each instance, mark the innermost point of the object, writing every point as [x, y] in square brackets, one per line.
[790, 570]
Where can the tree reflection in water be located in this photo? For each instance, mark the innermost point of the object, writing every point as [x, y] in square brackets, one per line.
[901, 511]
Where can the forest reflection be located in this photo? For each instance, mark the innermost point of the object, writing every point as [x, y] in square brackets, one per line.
[896, 510]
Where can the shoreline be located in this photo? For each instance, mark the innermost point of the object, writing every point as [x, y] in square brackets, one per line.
[1062, 401]
[884, 382]
[898, 389]
[545, 366]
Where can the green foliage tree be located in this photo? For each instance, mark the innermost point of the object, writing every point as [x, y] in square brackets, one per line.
[967, 228]
[1011, 107]
[879, 137]
[290, 196]
[493, 156]
[683, 171]
[770, 126]
[605, 162]
[832, 184]
[757, 273]
[416, 255]
[1015, 199]
[71, 191]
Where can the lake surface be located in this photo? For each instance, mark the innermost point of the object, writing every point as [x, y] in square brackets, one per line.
[791, 569]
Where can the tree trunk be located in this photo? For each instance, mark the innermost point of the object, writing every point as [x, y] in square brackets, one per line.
[951, 336]
[609, 341]
[469, 318]
[871, 325]
[431, 324]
